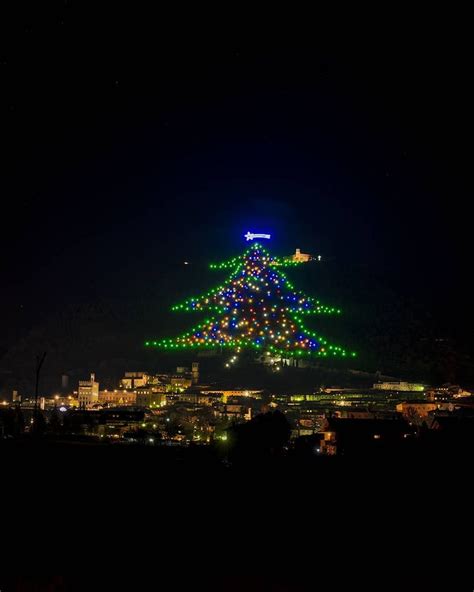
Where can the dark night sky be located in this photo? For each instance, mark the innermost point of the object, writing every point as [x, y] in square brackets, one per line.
[131, 142]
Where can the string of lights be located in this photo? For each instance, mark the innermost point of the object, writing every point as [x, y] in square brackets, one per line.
[257, 307]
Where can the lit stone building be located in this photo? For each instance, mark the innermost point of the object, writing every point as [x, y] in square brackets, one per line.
[150, 397]
[301, 257]
[185, 377]
[88, 392]
[117, 397]
[179, 382]
[182, 379]
[132, 380]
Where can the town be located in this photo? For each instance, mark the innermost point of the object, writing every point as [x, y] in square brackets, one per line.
[181, 409]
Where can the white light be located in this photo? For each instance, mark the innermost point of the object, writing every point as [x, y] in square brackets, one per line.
[251, 235]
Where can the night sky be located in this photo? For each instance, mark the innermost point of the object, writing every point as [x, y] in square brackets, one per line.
[134, 142]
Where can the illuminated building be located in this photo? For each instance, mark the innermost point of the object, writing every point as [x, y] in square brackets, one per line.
[188, 374]
[88, 392]
[234, 411]
[117, 397]
[419, 408]
[399, 386]
[150, 397]
[328, 443]
[226, 393]
[201, 398]
[132, 380]
[301, 257]
[300, 398]
[195, 372]
[179, 383]
[160, 383]
[446, 393]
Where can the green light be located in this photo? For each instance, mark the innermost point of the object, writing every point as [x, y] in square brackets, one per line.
[254, 307]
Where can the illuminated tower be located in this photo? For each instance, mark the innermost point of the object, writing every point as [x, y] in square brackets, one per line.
[88, 392]
[195, 372]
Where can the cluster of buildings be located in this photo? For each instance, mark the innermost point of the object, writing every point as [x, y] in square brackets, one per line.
[170, 407]
[390, 414]
[177, 408]
[171, 414]
[137, 388]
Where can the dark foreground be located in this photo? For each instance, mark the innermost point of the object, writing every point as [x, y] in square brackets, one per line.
[252, 519]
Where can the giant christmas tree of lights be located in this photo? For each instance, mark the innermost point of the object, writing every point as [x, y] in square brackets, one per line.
[256, 307]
